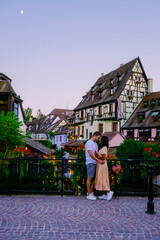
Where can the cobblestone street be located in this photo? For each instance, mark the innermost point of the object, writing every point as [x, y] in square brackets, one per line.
[53, 217]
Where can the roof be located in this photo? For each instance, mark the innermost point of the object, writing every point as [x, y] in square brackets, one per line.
[38, 146]
[73, 143]
[50, 122]
[103, 82]
[6, 87]
[148, 122]
[111, 135]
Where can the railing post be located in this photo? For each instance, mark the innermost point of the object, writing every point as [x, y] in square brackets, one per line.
[10, 176]
[115, 190]
[62, 177]
[150, 204]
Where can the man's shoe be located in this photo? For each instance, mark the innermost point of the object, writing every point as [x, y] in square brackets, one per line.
[104, 197]
[109, 195]
[91, 197]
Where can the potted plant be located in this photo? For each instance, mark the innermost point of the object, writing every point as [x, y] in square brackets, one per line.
[152, 103]
[145, 105]
[138, 82]
[117, 81]
[130, 97]
[140, 119]
[155, 118]
[91, 92]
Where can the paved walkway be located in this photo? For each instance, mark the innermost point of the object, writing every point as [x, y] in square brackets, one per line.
[53, 217]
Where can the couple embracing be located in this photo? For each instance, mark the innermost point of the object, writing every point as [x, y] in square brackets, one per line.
[97, 168]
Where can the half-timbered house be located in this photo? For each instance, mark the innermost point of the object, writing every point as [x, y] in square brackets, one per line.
[144, 122]
[111, 100]
[9, 100]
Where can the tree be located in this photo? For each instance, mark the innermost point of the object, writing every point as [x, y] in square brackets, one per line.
[28, 114]
[130, 149]
[10, 133]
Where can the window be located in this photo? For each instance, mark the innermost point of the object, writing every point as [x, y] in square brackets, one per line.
[137, 78]
[155, 113]
[130, 133]
[99, 110]
[111, 107]
[60, 139]
[82, 114]
[158, 132]
[145, 132]
[112, 91]
[115, 127]
[92, 119]
[16, 108]
[78, 131]
[100, 127]
[86, 133]
[83, 130]
[87, 117]
[90, 135]
[129, 92]
[141, 116]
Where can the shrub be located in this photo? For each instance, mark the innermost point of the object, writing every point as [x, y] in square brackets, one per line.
[46, 143]
[130, 149]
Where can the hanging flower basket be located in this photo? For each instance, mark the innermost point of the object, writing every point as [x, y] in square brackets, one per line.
[138, 82]
[130, 97]
[99, 115]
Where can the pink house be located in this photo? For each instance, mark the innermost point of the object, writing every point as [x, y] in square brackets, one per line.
[144, 122]
[115, 138]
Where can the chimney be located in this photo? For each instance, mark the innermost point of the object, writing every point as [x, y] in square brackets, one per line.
[30, 119]
[121, 64]
[150, 85]
[102, 74]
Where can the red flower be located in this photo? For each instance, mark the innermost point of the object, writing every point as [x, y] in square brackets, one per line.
[153, 153]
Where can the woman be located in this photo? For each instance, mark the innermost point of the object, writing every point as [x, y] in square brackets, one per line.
[102, 175]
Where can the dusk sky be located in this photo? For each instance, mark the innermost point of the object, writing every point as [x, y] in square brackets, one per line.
[54, 50]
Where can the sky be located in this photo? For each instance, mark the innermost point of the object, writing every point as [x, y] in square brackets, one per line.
[55, 50]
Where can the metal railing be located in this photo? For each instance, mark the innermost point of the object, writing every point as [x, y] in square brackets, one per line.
[61, 176]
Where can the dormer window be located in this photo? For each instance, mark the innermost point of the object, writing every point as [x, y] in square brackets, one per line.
[141, 116]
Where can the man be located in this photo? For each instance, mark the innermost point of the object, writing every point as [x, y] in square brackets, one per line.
[91, 162]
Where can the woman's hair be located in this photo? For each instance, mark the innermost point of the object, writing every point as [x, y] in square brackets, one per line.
[104, 141]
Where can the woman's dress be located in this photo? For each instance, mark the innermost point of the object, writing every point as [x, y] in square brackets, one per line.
[102, 175]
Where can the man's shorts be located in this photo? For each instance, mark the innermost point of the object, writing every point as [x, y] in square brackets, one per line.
[91, 170]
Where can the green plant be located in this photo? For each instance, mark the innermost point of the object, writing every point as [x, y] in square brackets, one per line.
[118, 81]
[152, 103]
[91, 92]
[10, 133]
[140, 119]
[52, 134]
[46, 143]
[130, 149]
[145, 105]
